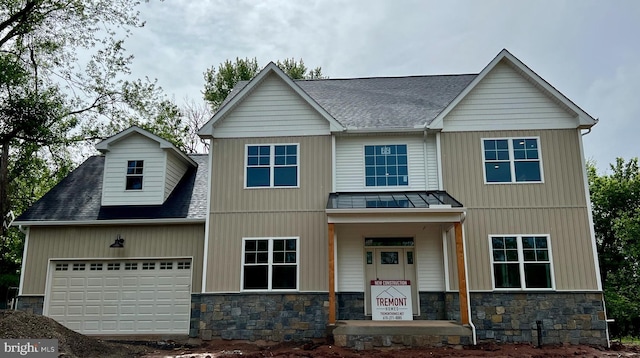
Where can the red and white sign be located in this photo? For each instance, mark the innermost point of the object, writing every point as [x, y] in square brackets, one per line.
[391, 300]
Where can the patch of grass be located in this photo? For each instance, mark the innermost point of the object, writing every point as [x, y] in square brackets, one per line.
[628, 340]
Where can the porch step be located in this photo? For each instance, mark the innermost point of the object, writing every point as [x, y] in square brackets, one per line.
[376, 334]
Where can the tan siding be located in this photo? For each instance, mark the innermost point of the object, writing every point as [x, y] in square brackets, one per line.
[272, 109]
[229, 195]
[569, 235]
[225, 247]
[237, 212]
[556, 207]
[504, 99]
[135, 147]
[561, 162]
[92, 242]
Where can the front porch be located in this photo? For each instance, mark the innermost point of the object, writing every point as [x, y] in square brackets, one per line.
[369, 334]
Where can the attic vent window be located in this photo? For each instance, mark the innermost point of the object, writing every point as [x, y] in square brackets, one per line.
[134, 174]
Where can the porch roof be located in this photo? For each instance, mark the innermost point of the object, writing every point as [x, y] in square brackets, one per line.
[434, 199]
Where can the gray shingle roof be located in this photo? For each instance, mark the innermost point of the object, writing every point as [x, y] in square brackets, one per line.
[78, 196]
[382, 102]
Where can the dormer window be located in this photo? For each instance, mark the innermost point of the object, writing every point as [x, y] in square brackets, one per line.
[134, 174]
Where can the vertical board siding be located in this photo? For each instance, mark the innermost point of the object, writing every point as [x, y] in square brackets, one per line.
[504, 99]
[175, 170]
[563, 185]
[428, 253]
[92, 242]
[229, 195]
[237, 212]
[227, 230]
[350, 162]
[134, 147]
[557, 207]
[568, 231]
[272, 109]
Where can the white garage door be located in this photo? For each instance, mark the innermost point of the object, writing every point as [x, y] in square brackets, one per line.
[121, 297]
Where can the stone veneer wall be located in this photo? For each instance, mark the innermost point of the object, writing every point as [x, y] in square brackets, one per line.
[30, 304]
[261, 316]
[433, 306]
[575, 318]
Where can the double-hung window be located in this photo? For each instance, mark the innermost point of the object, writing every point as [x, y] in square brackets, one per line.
[512, 160]
[272, 165]
[521, 262]
[386, 165]
[134, 174]
[270, 264]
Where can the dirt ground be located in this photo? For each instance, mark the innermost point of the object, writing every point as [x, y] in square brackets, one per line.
[20, 325]
[227, 349]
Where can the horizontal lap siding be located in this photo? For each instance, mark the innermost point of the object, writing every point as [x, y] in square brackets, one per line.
[237, 212]
[92, 242]
[350, 162]
[135, 147]
[428, 253]
[557, 207]
[506, 100]
[272, 109]
[175, 170]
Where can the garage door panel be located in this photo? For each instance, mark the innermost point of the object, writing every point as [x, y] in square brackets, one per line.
[149, 297]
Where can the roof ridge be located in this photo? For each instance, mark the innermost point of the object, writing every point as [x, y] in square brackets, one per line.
[384, 77]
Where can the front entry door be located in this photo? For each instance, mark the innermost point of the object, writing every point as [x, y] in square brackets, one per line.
[390, 263]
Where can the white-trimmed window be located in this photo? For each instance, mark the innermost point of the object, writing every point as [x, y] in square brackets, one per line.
[386, 165]
[272, 165]
[521, 262]
[270, 263]
[134, 174]
[512, 160]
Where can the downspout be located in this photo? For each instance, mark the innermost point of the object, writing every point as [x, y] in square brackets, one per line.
[463, 217]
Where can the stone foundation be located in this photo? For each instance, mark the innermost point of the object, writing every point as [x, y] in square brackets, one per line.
[261, 316]
[575, 318]
[30, 304]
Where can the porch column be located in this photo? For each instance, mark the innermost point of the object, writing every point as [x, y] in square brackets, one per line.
[332, 277]
[462, 275]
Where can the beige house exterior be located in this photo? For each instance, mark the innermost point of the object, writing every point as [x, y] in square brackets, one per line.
[464, 197]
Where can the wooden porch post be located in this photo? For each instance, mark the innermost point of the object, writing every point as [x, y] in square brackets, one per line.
[332, 277]
[462, 276]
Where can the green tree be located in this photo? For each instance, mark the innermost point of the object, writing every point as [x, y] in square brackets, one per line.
[615, 199]
[53, 100]
[219, 82]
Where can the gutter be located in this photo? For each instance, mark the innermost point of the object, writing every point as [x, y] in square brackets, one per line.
[110, 222]
[463, 217]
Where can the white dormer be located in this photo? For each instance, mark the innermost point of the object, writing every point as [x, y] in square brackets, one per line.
[140, 168]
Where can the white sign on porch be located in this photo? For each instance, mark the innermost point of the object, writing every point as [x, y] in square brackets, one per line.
[391, 300]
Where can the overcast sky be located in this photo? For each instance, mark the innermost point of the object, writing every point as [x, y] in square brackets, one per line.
[588, 50]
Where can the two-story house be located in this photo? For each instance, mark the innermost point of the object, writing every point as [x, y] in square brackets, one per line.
[329, 202]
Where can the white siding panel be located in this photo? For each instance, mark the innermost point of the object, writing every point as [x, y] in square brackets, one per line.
[175, 170]
[432, 163]
[350, 162]
[350, 263]
[430, 261]
[506, 100]
[273, 109]
[135, 147]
